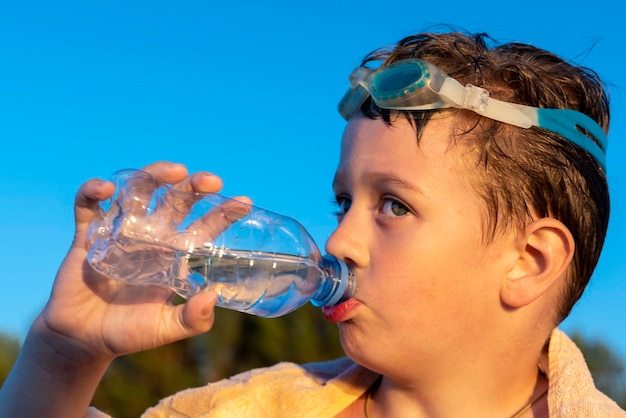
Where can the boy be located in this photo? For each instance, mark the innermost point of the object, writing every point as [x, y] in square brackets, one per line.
[472, 224]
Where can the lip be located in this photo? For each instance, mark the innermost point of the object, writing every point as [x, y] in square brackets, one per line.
[341, 312]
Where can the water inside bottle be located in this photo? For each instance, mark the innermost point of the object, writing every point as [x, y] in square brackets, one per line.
[259, 283]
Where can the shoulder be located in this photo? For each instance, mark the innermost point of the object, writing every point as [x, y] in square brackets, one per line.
[572, 391]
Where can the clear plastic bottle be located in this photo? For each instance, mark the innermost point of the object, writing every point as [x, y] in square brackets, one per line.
[257, 261]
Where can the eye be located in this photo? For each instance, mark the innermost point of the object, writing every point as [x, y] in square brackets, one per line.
[393, 208]
[343, 205]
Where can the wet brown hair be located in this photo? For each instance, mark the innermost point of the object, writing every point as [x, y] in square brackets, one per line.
[522, 174]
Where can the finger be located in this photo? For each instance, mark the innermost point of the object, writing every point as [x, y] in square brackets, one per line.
[212, 216]
[189, 191]
[166, 172]
[234, 209]
[88, 197]
[196, 315]
[204, 182]
[136, 190]
[87, 208]
[136, 187]
[210, 225]
[200, 182]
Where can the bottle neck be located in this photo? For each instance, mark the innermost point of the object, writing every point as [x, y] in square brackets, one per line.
[338, 282]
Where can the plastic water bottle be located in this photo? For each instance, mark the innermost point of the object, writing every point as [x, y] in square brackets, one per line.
[257, 261]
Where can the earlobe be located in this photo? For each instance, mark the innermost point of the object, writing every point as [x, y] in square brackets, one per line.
[546, 248]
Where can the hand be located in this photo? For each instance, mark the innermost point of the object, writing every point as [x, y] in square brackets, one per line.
[90, 316]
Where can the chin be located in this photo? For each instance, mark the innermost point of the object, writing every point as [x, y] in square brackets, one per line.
[354, 344]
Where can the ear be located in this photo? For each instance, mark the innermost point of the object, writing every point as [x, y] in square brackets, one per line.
[545, 250]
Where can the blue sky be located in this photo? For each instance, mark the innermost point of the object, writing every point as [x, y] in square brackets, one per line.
[247, 90]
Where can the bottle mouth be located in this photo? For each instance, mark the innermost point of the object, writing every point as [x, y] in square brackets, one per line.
[340, 283]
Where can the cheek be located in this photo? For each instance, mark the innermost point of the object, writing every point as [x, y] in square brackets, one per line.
[442, 273]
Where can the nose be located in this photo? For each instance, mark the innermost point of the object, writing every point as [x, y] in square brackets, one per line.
[348, 241]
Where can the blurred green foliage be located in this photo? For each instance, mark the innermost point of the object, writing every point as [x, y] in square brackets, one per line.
[606, 367]
[9, 349]
[239, 342]
[236, 343]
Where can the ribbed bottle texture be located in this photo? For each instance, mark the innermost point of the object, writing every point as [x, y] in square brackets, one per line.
[257, 261]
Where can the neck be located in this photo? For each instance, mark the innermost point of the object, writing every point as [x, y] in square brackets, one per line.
[388, 401]
[497, 390]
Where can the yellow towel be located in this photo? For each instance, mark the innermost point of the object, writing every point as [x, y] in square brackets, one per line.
[284, 390]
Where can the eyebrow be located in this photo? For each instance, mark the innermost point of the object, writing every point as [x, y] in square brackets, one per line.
[379, 179]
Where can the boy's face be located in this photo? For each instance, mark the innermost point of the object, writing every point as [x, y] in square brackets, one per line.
[427, 285]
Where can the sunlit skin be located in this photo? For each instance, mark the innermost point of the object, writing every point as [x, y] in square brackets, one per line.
[428, 312]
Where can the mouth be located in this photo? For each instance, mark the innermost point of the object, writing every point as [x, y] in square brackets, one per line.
[340, 312]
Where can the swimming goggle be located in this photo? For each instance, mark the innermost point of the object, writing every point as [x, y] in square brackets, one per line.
[415, 85]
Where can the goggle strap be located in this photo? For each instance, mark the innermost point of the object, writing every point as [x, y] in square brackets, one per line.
[572, 125]
[577, 128]
[477, 100]
[351, 102]
[511, 113]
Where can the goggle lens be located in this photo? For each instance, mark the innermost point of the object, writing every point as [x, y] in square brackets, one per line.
[398, 80]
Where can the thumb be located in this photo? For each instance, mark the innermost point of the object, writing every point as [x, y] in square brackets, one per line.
[198, 314]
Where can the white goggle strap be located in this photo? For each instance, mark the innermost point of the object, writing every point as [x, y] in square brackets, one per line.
[575, 126]
[477, 100]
